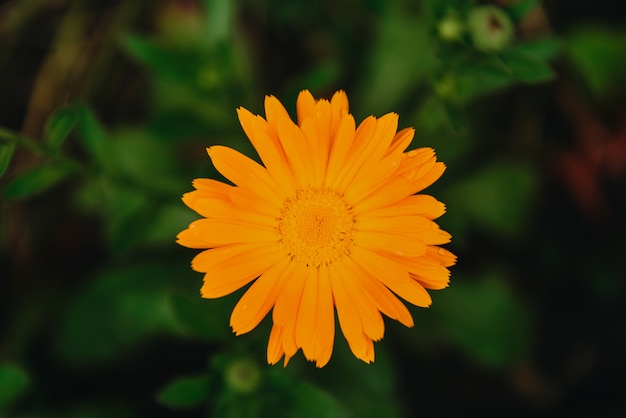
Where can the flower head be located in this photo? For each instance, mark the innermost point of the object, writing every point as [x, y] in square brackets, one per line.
[331, 220]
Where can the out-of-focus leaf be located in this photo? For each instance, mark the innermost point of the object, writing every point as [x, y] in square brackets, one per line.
[185, 392]
[6, 152]
[373, 390]
[481, 76]
[172, 64]
[497, 198]
[93, 136]
[59, 125]
[317, 79]
[219, 16]
[400, 60]
[519, 9]
[13, 382]
[229, 405]
[145, 162]
[201, 318]
[132, 216]
[36, 180]
[117, 311]
[432, 116]
[126, 212]
[168, 221]
[312, 402]
[598, 56]
[544, 49]
[527, 67]
[485, 320]
[437, 116]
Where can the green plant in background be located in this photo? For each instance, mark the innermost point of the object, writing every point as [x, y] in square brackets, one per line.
[440, 64]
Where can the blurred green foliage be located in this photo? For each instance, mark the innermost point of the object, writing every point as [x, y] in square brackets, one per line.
[91, 197]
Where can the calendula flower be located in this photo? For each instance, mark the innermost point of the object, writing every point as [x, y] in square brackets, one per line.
[331, 220]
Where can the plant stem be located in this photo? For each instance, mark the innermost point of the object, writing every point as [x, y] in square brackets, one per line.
[7, 136]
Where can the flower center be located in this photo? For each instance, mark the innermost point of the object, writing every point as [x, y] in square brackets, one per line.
[316, 227]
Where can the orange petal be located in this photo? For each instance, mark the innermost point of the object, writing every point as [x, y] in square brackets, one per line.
[255, 304]
[307, 312]
[400, 244]
[419, 204]
[244, 172]
[217, 232]
[388, 193]
[340, 149]
[252, 201]
[274, 111]
[367, 151]
[360, 144]
[305, 106]
[325, 325]
[380, 295]
[223, 278]
[349, 319]
[187, 239]
[212, 188]
[275, 345]
[268, 148]
[296, 150]
[443, 256]
[401, 141]
[226, 210]
[371, 177]
[339, 108]
[288, 300]
[371, 320]
[392, 275]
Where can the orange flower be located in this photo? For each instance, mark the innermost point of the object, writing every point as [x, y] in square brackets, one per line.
[331, 221]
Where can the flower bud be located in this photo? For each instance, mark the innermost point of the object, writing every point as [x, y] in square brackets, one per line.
[450, 28]
[242, 376]
[490, 27]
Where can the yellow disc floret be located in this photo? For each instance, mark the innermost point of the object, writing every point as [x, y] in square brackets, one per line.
[316, 227]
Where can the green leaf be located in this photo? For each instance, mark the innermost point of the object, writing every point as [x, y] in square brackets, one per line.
[312, 402]
[145, 162]
[481, 76]
[200, 318]
[59, 125]
[484, 319]
[544, 49]
[170, 64]
[13, 382]
[400, 60]
[497, 199]
[93, 135]
[125, 211]
[6, 152]
[219, 19]
[519, 9]
[168, 221]
[373, 391]
[118, 310]
[35, 180]
[527, 67]
[185, 392]
[597, 54]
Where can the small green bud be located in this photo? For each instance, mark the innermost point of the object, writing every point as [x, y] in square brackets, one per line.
[242, 376]
[450, 28]
[490, 27]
